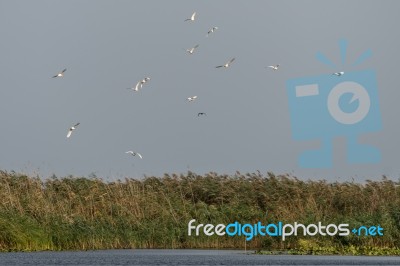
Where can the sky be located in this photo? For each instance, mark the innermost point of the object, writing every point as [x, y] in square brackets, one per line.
[108, 46]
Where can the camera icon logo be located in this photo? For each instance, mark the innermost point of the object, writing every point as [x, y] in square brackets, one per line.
[327, 106]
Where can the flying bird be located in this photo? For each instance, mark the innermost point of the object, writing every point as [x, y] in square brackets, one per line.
[191, 18]
[190, 99]
[72, 129]
[338, 74]
[139, 85]
[227, 64]
[274, 67]
[60, 74]
[199, 114]
[211, 30]
[191, 50]
[134, 154]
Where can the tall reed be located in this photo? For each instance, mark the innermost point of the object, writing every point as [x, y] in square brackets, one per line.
[153, 212]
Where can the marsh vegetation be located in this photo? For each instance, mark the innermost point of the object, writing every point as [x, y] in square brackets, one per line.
[79, 213]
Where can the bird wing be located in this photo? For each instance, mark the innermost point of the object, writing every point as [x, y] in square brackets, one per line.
[69, 133]
[138, 154]
[55, 76]
[218, 66]
[233, 59]
[196, 46]
[63, 70]
[137, 85]
[193, 15]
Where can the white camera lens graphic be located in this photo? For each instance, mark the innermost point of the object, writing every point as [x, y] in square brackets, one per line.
[359, 93]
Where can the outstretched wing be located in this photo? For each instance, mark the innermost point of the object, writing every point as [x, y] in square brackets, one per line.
[137, 85]
[69, 133]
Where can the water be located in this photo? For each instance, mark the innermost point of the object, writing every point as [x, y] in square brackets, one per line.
[181, 257]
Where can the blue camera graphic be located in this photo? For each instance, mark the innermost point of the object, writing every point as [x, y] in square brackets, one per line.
[327, 106]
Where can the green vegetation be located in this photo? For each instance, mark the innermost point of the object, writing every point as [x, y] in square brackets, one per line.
[89, 213]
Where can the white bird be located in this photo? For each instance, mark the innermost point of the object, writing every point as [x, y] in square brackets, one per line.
[338, 74]
[211, 30]
[72, 129]
[190, 99]
[274, 67]
[139, 85]
[134, 154]
[227, 64]
[192, 17]
[191, 50]
[60, 74]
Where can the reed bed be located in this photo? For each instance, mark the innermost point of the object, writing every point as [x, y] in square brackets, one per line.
[79, 213]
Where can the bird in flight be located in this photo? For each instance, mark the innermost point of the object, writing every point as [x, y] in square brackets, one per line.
[199, 114]
[227, 64]
[60, 74]
[139, 85]
[211, 30]
[134, 154]
[191, 50]
[191, 99]
[274, 67]
[191, 18]
[338, 74]
[72, 129]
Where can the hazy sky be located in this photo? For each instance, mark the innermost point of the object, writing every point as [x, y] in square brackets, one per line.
[108, 46]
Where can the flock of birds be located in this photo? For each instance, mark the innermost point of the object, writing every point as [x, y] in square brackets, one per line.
[139, 84]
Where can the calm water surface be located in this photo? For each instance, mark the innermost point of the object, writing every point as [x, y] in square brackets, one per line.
[181, 257]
